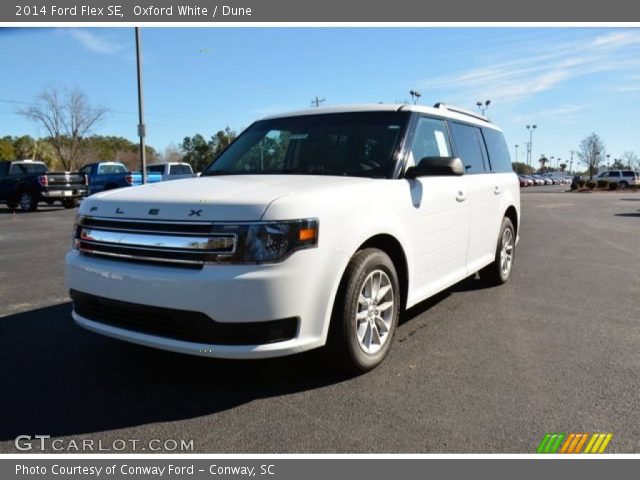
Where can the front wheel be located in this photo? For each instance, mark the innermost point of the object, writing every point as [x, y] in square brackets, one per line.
[622, 185]
[499, 271]
[366, 312]
[28, 202]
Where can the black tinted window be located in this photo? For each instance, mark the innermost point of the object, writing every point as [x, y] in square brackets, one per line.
[627, 173]
[470, 147]
[155, 169]
[614, 174]
[499, 157]
[180, 170]
[27, 168]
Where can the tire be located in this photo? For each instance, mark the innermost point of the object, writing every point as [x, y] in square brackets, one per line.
[622, 185]
[28, 202]
[499, 271]
[361, 332]
[12, 204]
[70, 202]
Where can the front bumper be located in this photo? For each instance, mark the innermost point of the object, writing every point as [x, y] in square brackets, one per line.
[302, 287]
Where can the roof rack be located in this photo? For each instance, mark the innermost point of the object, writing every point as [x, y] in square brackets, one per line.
[463, 111]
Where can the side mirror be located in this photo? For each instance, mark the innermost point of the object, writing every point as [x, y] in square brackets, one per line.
[436, 166]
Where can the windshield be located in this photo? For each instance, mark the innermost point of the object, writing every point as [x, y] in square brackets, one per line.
[347, 144]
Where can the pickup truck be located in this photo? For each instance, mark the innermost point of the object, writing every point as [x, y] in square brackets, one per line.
[356, 214]
[171, 170]
[104, 176]
[27, 182]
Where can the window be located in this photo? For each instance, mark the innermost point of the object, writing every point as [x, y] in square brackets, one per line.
[628, 173]
[345, 144]
[155, 169]
[614, 174]
[19, 168]
[499, 157]
[108, 168]
[470, 146]
[180, 169]
[430, 140]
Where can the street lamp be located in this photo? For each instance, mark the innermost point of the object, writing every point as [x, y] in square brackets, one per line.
[516, 152]
[483, 106]
[531, 128]
[608, 158]
[415, 95]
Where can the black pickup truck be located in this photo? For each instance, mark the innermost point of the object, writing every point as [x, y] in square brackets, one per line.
[27, 182]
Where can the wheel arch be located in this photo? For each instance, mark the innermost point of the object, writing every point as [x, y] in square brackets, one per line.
[512, 214]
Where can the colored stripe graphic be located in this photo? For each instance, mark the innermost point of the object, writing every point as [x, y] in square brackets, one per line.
[574, 442]
[550, 443]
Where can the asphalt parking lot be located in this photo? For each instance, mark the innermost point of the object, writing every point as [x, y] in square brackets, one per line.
[557, 349]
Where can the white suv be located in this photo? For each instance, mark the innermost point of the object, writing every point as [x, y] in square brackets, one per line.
[312, 228]
[623, 178]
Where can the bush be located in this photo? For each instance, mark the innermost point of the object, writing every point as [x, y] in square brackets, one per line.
[613, 186]
[574, 186]
[603, 183]
[591, 184]
[582, 183]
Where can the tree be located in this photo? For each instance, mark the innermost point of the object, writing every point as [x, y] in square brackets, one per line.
[197, 152]
[563, 167]
[590, 152]
[67, 116]
[630, 159]
[543, 161]
[618, 164]
[6, 149]
[172, 153]
[521, 168]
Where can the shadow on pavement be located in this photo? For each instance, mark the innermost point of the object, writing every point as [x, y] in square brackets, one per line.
[59, 379]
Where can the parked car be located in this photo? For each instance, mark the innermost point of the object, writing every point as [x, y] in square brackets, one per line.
[359, 213]
[172, 170]
[104, 176]
[623, 178]
[538, 180]
[524, 182]
[28, 182]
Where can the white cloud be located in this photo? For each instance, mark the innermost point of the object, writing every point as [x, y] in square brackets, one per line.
[93, 42]
[552, 64]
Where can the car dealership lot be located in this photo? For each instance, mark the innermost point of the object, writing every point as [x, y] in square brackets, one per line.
[472, 370]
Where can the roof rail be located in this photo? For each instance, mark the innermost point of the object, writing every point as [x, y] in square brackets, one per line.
[463, 111]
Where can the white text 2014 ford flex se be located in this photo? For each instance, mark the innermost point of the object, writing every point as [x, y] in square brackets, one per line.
[311, 228]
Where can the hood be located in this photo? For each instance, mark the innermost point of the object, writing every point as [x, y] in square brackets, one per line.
[219, 198]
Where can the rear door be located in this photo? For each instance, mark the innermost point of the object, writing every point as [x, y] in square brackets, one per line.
[482, 194]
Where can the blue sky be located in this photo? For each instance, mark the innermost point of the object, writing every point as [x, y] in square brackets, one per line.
[569, 81]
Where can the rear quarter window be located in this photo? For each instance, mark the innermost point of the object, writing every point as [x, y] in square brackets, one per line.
[499, 158]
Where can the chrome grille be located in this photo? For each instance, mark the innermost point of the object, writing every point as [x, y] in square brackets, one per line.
[189, 244]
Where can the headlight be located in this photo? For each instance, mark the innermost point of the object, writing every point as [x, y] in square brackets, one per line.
[268, 242]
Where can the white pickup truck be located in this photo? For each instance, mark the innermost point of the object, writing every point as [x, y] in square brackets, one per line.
[313, 228]
[171, 170]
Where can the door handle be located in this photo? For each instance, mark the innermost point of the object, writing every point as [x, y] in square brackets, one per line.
[460, 197]
[497, 190]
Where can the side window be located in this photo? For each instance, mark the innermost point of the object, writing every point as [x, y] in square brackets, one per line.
[156, 169]
[499, 157]
[470, 145]
[430, 140]
[17, 168]
[626, 173]
[614, 174]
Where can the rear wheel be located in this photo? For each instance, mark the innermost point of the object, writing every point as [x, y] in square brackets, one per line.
[28, 202]
[366, 312]
[623, 184]
[499, 271]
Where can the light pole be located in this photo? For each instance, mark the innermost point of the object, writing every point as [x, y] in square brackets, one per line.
[516, 152]
[141, 126]
[571, 162]
[483, 106]
[608, 159]
[531, 128]
[415, 95]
